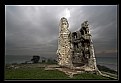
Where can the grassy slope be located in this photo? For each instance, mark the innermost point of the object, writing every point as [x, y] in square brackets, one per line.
[103, 68]
[40, 73]
[33, 73]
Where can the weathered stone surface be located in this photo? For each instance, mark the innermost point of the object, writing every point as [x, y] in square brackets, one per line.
[75, 50]
[64, 44]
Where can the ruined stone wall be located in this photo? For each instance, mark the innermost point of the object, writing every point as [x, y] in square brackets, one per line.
[75, 49]
[83, 53]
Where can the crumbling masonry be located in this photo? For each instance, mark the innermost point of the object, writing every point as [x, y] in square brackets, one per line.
[75, 50]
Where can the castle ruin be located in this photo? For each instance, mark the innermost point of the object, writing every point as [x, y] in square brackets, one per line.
[75, 49]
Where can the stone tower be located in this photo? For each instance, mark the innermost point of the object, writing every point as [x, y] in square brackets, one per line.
[75, 50]
[64, 44]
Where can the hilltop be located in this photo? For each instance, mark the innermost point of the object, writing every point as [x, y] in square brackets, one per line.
[39, 71]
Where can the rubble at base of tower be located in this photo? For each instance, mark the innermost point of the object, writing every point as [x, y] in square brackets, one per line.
[75, 49]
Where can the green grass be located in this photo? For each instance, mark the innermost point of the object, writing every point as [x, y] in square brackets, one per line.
[89, 76]
[34, 73]
[40, 73]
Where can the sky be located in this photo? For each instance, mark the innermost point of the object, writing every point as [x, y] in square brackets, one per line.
[34, 30]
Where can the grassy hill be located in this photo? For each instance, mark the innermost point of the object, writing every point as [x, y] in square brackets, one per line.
[37, 73]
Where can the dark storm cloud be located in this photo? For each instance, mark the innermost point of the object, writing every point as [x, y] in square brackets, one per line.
[34, 29]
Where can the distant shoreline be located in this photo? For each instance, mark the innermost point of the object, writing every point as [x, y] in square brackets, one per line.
[110, 62]
[98, 65]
